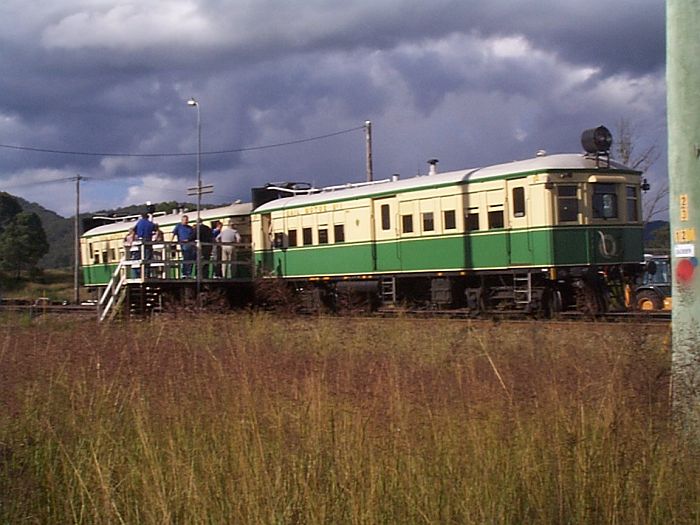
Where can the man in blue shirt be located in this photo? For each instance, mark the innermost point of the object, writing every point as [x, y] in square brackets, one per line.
[185, 235]
[144, 233]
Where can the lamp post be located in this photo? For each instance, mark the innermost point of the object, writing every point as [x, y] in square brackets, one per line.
[193, 103]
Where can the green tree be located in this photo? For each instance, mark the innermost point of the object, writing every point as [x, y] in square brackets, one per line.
[22, 243]
[9, 208]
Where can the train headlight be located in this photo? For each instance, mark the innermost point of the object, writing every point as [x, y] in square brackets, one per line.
[596, 140]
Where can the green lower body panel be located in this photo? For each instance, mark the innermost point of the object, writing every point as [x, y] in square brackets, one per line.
[552, 247]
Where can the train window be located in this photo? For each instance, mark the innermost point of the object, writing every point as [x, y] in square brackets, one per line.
[90, 248]
[519, 202]
[339, 233]
[292, 238]
[632, 210]
[96, 258]
[472, 219]
[307, 236]
[428, 221]
[279, 240]
[567, 203]
[495, 219]
[386, 217]
[604, 201]
[113, 254]
[407, 223]
[323, 235]
[449, 219]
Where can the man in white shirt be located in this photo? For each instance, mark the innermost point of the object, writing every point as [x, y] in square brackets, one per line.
[228, 237]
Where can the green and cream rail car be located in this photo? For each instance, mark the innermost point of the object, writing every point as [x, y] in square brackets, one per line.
[102, 248]
[553, 232]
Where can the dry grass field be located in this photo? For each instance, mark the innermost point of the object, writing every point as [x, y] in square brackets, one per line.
[246, 418]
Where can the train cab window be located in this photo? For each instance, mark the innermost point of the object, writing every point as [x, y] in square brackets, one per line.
[567, 203]
[407, 224]
[472, 219]
[519, 202]
[496, 219]
[632, 209]
[339, 233]
[292, 238]
[449, 219]
[307, 236]
[323, 235]
[386, 217]
[428, 221]
[604, 201]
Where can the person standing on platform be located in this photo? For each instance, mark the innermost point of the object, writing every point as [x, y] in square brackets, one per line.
[228, 237]
[144, 233]
[205, 241]
[185, 235]
[218, 226]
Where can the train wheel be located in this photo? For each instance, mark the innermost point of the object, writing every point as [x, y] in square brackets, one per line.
[648, 301]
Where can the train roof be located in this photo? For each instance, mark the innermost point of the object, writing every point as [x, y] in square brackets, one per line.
[559, 162]
[232, 210]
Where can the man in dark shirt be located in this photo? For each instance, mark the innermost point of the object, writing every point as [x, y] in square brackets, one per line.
[206, 239]
[185, 235]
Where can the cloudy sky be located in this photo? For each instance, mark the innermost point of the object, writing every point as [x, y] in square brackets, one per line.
[468, 82]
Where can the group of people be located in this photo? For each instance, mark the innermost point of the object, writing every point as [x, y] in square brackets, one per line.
[223, 235]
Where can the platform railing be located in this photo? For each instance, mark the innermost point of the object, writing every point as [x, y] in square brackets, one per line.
[148, 260]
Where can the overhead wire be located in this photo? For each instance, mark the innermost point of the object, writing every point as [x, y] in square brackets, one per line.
[186, 154]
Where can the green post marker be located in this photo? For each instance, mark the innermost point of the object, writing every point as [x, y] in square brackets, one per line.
[683, 81]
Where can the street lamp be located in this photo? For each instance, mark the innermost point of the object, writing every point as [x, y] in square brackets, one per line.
[193, 103]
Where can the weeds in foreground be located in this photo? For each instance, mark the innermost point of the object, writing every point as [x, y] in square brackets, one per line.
[249, 419]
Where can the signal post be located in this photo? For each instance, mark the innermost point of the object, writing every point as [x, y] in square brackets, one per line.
[683, 79]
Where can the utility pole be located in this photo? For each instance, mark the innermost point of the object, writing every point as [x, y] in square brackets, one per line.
[368, 143]
[76, 238]
[683, 78]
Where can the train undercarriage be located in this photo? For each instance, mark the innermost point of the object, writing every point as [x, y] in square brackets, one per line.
[541, 292]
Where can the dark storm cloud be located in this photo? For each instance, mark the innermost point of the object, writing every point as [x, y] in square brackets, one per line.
[470, 82]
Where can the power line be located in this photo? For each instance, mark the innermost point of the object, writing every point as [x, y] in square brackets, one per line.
[162, 155]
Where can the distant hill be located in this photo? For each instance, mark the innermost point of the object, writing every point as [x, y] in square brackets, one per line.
[59, 233]
[59, 230]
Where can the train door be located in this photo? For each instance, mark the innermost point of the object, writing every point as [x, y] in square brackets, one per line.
[519, 231]
[387, 255]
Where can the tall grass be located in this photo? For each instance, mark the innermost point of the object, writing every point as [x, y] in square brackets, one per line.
[250, 419]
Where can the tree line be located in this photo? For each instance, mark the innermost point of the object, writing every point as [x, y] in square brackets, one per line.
[22, 238]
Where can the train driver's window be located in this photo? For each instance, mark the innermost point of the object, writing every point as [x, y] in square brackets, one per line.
[604, 201]
[567, 203]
